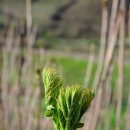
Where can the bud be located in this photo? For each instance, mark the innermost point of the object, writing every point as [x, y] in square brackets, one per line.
[66, 105]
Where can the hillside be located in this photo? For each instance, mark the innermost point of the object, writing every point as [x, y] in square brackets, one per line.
[80, 18]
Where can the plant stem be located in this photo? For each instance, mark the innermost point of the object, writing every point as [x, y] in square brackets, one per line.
[68, 127]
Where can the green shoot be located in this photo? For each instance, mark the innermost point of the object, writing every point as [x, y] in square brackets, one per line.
[65, 105]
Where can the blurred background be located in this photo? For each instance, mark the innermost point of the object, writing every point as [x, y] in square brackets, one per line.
[87, 41]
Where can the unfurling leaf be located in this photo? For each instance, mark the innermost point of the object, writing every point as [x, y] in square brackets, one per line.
[66, 105]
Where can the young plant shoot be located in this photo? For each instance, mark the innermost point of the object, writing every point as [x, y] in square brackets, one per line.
[65, 105]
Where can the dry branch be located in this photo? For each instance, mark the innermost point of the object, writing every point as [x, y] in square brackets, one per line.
[102, 45]
[105, 75]
[89, 67]
[128, 114]
[5, 78]
[121, 63]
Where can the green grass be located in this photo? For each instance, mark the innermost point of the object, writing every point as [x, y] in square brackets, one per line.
[73, 70]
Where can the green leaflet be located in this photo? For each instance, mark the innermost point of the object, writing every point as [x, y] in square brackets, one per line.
[52, 84]
[66, 105]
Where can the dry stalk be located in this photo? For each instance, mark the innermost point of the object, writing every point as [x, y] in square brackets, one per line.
[113, 17]
[32, 110]
[129, 25]
[128, 104]
[128, 114]
[31, 36]
[15, 51]
[106, 69]
[89, 67]
[107, 98]
[28, 68]
[12, 103]
[5, 78]
[120, 64]
[102, 45]
[40, 97]
[100, 58]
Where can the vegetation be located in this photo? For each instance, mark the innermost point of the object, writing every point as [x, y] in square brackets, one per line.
[66, 105]
[64, 34]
